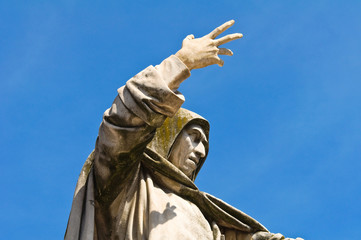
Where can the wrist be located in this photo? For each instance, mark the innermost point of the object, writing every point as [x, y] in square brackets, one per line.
[184, 59]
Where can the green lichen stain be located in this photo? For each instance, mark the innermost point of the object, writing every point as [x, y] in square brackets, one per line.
[167, 133]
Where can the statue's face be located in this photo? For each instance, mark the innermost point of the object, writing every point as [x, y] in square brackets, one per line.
[189, 147]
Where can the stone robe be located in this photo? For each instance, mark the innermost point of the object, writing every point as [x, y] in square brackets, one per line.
[128, 190]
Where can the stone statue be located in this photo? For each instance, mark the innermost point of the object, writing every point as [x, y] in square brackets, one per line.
[138, 183]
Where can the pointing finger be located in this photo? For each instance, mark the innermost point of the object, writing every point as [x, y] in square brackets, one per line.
[228, 38]
[225, 51]
[220, 29]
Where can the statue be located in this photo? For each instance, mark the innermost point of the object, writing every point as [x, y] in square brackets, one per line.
[138, 183]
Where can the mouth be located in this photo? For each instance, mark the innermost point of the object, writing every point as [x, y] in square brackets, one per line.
[194, 159]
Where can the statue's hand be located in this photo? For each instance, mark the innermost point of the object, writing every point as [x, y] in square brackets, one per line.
[271, 236]
[204, 51]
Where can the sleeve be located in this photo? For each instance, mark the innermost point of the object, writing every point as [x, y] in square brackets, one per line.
[139, 108]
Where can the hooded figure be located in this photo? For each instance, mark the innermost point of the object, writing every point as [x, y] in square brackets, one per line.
[166, 135]
[128, 189]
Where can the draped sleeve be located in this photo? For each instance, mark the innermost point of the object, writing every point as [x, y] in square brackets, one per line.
[139, 108]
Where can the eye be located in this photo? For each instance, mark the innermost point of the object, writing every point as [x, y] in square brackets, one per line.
[195, 136]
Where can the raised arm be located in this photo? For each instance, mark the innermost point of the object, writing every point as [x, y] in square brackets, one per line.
[147, 99]
[141, 106]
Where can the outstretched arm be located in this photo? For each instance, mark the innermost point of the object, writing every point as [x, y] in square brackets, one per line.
[147, 99]
[140, 107]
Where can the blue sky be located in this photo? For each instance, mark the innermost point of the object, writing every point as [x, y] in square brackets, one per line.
[285, 110]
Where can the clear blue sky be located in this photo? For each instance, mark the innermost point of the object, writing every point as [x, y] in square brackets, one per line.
[285, 110]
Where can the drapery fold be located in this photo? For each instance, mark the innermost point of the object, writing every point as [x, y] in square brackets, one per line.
[81, 220]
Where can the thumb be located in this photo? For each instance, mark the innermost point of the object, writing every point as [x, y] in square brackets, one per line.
[189, 37]
[220, 62]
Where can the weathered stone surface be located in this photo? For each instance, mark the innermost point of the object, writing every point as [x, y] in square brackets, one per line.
[138, 183]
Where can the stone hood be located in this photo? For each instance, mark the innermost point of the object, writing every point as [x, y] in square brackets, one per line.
[166, 134]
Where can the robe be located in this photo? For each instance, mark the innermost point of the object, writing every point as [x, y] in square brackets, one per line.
[128, 190]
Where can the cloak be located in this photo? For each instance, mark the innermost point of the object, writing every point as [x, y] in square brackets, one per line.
[154, 159]
[127, 181]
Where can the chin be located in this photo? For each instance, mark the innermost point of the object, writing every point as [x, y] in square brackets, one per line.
[188, 171]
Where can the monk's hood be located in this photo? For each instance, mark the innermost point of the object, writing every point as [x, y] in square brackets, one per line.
[166, 135]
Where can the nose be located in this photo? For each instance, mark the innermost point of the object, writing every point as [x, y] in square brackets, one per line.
[200, 150]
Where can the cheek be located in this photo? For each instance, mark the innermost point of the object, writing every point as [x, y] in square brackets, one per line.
[178, 155]
[181, 152]
[185, 150]
[187, 147]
